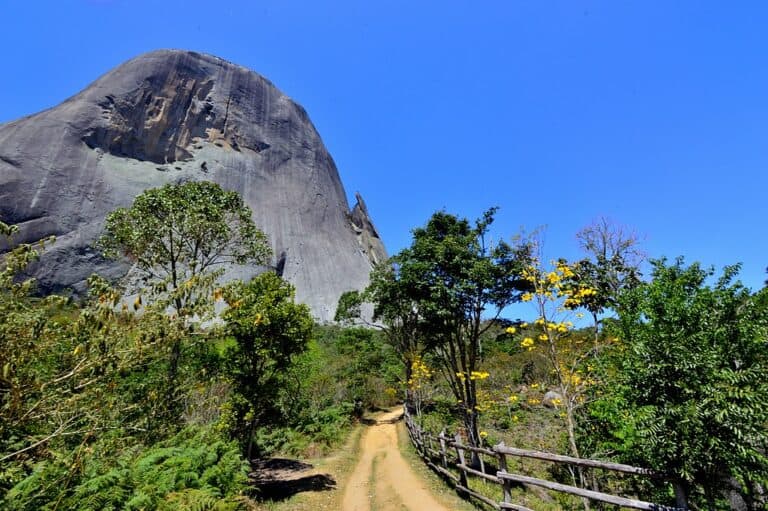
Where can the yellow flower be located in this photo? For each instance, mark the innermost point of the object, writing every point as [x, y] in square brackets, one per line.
[511, 330]
[543, 337]
[483, 434]
[527, 342]
[523, 325]
[527, 297]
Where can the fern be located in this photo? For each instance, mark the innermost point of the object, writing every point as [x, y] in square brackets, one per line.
[139, 501]
[190, 499]
[104, 492]
[194, 470]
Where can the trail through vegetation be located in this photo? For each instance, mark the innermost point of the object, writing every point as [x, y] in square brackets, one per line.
[382, 479]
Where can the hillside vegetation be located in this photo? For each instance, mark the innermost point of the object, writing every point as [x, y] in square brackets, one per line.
[143, 402]
[666, 372]
[150, 401]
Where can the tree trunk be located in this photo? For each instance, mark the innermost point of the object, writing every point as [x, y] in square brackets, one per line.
[473, 433]
[575, 450]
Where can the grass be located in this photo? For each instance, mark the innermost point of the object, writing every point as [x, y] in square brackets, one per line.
[533, 431]
[442, 492]
[339, 466]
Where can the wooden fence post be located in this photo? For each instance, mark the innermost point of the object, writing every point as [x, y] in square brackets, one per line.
[506, 484]
[443, 449]
[462, 461]
[680, 500]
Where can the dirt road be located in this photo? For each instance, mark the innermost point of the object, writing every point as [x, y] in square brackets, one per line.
[382, 480]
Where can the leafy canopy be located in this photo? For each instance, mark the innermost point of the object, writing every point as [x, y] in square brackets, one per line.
[453, 278]
[690, 379]
[177, 233]
[268, 329]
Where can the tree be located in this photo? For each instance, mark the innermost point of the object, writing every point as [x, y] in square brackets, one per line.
[178, 233]
[612, 265]
[69, 372]
[268, 330]
[690, 381]
[395, 313]
[554, 296]
[452, 279]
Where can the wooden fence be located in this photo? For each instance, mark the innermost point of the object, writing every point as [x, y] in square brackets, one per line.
[448, 457]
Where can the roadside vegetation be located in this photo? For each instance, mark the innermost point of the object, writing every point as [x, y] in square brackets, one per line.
[151, 401]
[665, 371]
[128, 402]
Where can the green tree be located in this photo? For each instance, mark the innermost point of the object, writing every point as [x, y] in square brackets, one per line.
[395, 313]
[689, 394]
[268, 330]
[178, 233]
[73, 372]
[454, 279]
[370, 365]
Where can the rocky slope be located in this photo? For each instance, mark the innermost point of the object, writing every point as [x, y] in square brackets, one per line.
[170, 116]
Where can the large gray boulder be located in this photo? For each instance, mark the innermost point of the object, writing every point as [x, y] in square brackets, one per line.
[170, 116]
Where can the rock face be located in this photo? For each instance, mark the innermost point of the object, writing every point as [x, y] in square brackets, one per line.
[171, 116]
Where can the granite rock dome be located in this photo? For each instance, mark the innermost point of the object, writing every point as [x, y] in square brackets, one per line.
[170, 116]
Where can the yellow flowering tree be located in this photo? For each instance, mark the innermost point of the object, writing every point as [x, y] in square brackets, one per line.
[418, 384]
[555, 295]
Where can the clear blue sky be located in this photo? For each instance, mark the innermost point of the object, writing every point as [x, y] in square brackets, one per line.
[653, 113]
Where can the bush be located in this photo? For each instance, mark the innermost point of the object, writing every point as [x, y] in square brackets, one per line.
[195, 469]
[687, 393]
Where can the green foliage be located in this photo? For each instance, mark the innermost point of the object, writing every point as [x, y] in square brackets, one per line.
[349, 307]
[269, 329]
[196, 469]
[449, 278]
[80, 383]
[371, 365]
[316, 401]
[88, 419]
[688, 394]
[177, 233]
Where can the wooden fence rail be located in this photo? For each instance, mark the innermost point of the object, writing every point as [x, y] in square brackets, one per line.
[436, 452]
